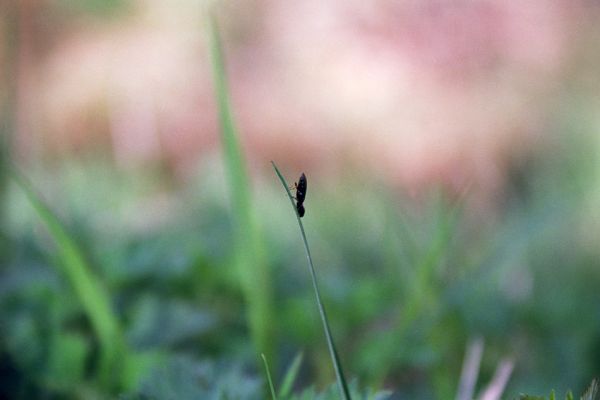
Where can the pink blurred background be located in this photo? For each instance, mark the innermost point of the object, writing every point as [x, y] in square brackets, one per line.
[416, 92]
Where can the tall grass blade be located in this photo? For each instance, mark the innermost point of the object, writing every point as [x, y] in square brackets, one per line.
[290, 376]
[250, 257]
[271, 387]
[337, 365]
[90, 293]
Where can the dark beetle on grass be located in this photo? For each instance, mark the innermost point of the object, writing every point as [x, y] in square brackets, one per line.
[300, 194]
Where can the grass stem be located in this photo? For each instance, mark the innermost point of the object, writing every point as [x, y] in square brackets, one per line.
[337, 365]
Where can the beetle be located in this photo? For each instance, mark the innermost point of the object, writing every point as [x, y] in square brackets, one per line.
[301, 187]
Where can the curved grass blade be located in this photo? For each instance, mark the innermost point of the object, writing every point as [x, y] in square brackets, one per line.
[271, 387]
[90, 293]
[250, 258]
[337, 365]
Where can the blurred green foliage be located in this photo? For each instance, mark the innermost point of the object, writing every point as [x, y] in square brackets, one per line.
[253, 271]
[406, 281]
[91, 296]
[526, 280]
[134, 268]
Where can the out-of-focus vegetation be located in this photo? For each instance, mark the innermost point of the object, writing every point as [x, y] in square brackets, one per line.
[139, 281]
[406, 285]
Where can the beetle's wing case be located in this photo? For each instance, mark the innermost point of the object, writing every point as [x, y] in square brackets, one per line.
[301, 188]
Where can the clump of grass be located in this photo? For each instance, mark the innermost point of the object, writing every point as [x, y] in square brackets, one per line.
[337, 365]
[590, 394]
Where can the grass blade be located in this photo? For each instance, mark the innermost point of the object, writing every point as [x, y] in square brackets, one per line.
[273, 395]
[290, 376]
[251, 260]
[470, 369]
[90, 293]
[337, 365]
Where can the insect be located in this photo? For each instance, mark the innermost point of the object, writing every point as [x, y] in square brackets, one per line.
[300, 194]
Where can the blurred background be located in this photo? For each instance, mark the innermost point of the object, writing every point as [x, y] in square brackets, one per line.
[452, 155]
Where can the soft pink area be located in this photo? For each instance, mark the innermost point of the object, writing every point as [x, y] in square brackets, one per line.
[417, 91]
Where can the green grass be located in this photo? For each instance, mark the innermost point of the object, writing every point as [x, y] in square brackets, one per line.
[590, 394]
[406, 283]
[360, 290]
[90, 293]
[290, 376]
[269, 379]
[337, 364]
[252, 266]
